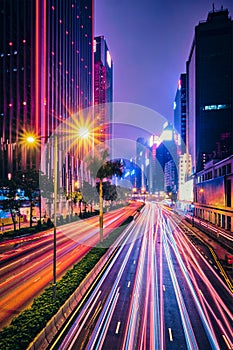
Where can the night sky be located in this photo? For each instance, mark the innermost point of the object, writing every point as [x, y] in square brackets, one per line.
[149, 42]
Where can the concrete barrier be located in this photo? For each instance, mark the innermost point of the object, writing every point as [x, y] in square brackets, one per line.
[50, 331]
[45, 337]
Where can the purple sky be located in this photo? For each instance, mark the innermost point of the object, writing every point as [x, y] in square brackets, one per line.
[150, 41]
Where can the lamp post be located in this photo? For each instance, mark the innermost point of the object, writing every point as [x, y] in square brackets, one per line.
[55, 220]
[82, 133]
[31, 139]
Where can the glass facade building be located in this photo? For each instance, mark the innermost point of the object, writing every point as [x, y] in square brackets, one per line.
[180, 110]
[46, 69]
[210, 90]
[103, 89]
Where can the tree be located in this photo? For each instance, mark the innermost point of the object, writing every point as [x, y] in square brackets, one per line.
[10, 204]
[89, 193]
[34, 184]
[100, 169]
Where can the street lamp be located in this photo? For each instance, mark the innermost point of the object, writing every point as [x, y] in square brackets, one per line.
[30, 139]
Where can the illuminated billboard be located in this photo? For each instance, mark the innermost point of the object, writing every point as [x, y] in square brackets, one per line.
[211, 192]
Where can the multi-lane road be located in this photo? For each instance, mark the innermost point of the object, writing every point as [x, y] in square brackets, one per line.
[26, 264]
[161, 289]
[158, 291]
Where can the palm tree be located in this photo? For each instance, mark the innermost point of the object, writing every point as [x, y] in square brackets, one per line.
[101, 168]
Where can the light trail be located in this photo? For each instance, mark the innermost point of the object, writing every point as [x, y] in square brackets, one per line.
[160, 319]
[18, 290]
[132, 322]
[187, 326]
[65, 344]
[165, 254]
[192, 261]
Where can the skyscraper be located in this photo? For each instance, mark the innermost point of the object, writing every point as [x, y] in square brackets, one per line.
[210, 90]
[142, 152]
[167, 151]
[46, 67]
[180, 110]
[103, 89]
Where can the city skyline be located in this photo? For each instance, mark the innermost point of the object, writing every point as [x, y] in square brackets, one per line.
[116, 228]
[150, 46]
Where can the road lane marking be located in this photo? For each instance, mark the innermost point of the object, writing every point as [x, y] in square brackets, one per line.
[128, 284]
[118, 326]
[227, 342]
[37, 279]
[164, 288]
[134, 262]
[170, 334]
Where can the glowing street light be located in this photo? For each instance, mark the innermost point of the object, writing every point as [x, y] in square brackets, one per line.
[33, 141]
[30, 139]
[83, 132]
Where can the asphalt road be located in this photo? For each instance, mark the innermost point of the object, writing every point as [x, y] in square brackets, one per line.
[159, 291]
[26, 264]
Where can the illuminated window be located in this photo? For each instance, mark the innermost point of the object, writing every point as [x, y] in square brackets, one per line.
[179, 84]
[109, 61]
[215, 107]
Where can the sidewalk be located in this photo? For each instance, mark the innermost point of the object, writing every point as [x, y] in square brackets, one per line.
[220, 251]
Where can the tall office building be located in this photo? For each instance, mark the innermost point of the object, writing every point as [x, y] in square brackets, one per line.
[142, 161]
[46, 68]
[167, 151]
[103, 90]
[180, 110]
[210, 90]
[171, 179]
